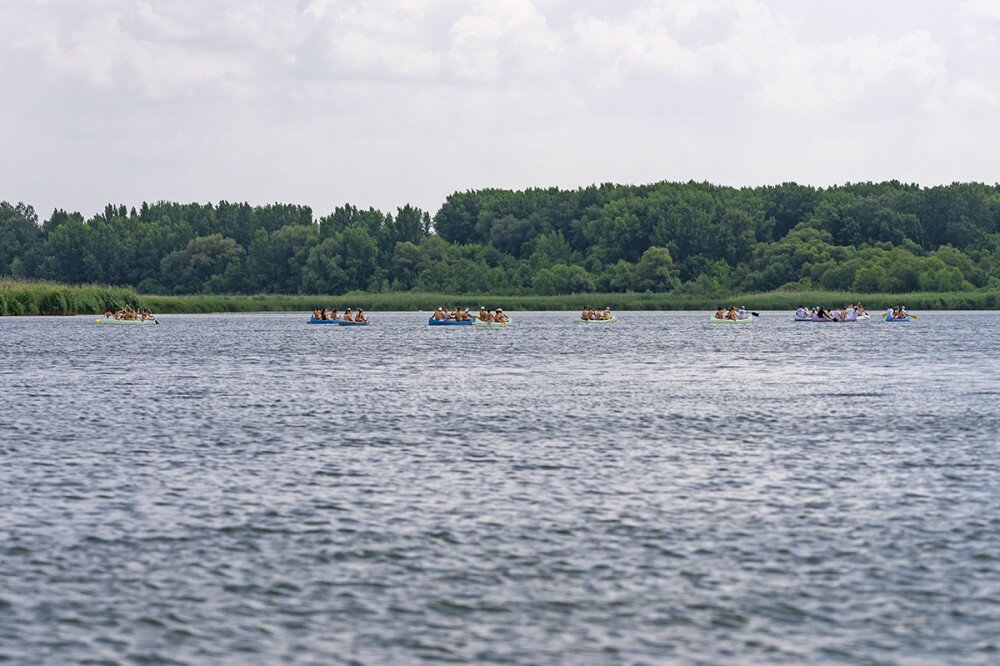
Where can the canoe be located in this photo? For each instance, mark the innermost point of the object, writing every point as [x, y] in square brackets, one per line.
[449, 322]
[826, 320]
[748, 320]
[126, 322]
[613, 320]
[337, 322]
[488, 324]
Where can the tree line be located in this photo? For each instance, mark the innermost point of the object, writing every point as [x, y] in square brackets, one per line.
[690, 237]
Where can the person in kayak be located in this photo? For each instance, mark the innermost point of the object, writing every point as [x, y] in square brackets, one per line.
[347, 315]
[439, 314]
[859, 309]
[499, 317]
[466, 316]
[585, 315]
[731, 314]
[360, 317]
[742, 312]
[607, 313]
[801, 313]
[720, 313]
[484, 314]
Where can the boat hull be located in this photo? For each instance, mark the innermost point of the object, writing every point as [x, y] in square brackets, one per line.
[126, 322]
[337, 322]
[449, 322]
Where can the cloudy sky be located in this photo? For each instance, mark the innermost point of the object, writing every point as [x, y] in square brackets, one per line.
[386, 102]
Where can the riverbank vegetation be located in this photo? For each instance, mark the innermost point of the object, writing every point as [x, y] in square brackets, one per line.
[18, 297]
[695, 241]
[48, 298]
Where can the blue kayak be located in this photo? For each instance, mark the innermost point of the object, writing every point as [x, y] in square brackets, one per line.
[897, 319]
[337, 322]
[448, 322]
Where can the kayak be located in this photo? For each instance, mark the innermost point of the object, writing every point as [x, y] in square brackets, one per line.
[897, 319]
[337, 322]
[613, 320]
[827, 320]
[126, 322]
[449, 322]
[748, 320]
[488, 324]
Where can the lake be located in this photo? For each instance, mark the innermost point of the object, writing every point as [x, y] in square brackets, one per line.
[235, 489]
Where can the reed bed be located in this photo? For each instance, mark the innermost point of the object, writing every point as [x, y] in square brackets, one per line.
[49, 298]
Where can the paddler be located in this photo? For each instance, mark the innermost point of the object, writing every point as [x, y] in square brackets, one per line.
[499, 317]
[607, 313]
[742, 313]
[347, 315]
[360, 316]
[801, 313]
[585, 315]
[731, 315]
[484, 315]
[720, 313]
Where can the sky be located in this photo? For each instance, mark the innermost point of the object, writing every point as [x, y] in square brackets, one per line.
[379, 103]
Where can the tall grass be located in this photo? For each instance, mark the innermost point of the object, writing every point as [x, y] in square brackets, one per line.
[31, 298]
[775, 300]
[19, 297]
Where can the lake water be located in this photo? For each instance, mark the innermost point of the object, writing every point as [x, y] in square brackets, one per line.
[250, 489]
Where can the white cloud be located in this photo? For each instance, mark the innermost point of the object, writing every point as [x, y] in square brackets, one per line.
[381, 101]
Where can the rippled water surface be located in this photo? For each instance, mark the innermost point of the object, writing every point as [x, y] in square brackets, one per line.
[251, 489]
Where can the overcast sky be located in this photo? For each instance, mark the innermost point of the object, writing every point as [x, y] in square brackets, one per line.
[383, 103]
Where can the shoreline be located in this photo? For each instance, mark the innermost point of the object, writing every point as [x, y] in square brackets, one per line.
[48, 298]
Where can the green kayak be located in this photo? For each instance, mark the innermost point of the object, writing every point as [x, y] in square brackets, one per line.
[489, 324]
[748, 320]
[613, 320]
[126, 322]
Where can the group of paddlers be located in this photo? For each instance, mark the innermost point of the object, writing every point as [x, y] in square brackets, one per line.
[898, 312]
[732, 313]
[849, 312]
[592, 314]
[457, 314]
[129, 314]
[327, 314]
[498, 316]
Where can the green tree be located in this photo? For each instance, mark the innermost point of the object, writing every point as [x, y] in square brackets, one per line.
[656, 271]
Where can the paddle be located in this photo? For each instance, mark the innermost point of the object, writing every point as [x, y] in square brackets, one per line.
[912, 315]
[755, 314]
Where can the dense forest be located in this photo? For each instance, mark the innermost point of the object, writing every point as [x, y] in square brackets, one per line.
[691, 237]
